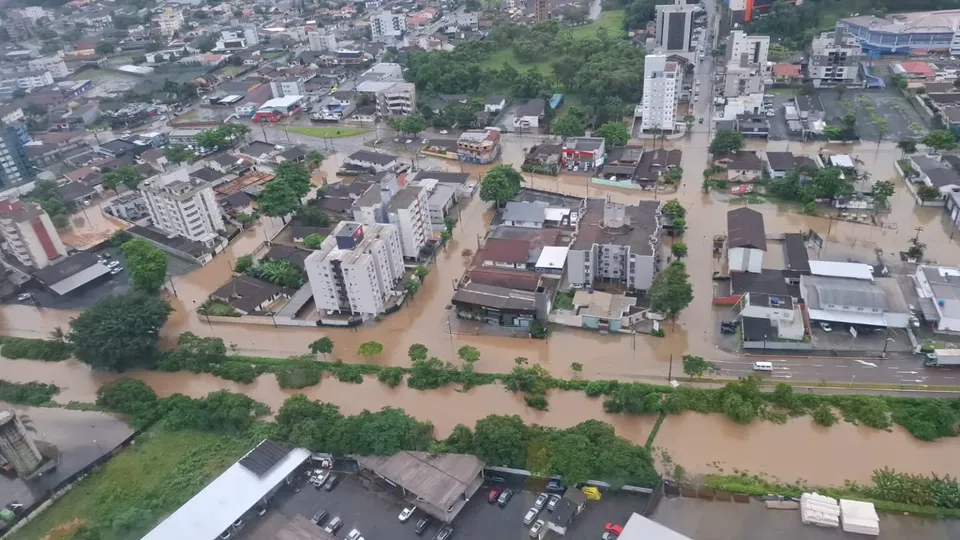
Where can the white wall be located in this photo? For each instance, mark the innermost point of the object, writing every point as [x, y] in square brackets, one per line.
[745, 260]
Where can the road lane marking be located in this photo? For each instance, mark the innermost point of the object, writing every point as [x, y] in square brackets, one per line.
[865, 363]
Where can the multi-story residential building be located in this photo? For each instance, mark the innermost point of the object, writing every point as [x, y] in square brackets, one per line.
[675, 27]
[387, 26]
[393, 98]
[287, 86]
[835, 59]
[615, 244]
[28, 234]
[238, 37]
[17, 25]
[54, 64]
[357, 269]
[185, 206]
[746, 50]
[170, 20]
[320, 40]
[407, 209]
[15, 168]
[736, 12]
[479, 146]
[661, 85]
[26, 80]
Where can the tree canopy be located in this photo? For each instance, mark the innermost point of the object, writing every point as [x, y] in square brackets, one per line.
[671, 291]
[501, 184]
[940, 140]
[615, 134]
[221, 136]
[147, 265]
[278, 199]
[119, 332]
[127, 175]
[568, 125]
[726, 141]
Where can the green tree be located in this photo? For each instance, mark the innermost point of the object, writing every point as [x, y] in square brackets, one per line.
[827, 183]
[726, 142]
[501, 441]
[59, 335]
[421, 271]
[673, 175]
[412, 286]
[105, 48]
[119, 332]
[147, 264]
[417, 351]
[882, 191]
[278, 199]
[882, 127]
[323, 346]
[679, 250]
[940, 140]
[928, 193]
[370, 349]
[315, 159]
[576, 367]
[468, 354]
[127, 175]
[907, 146]
[501, 184]
[673, 209]
[696, 366]
[131, 397]
[311, 216]
[568, 125]
[280, 272]
[294, 175]
[413, 124]
[671, 291]
[313, 241]
[177, 153]
[615, 134]
[689, 119]
[244, 263]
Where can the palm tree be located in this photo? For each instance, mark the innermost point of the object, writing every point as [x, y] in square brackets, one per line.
[59, 335]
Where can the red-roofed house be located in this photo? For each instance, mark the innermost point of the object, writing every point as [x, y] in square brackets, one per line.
[786, 72]
[914, 70]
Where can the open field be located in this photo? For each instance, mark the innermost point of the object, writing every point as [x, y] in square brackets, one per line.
[141, 485]
[506, 56]
[333, 132]
[611, 20]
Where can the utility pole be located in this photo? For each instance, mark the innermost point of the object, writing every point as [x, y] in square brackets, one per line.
[917, 236]
[670, 373]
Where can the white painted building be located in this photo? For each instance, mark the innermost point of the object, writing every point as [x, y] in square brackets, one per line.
[782, 313]
[746, 240]
[287, 86]
[27, 80]
[938, 288]
[746, 50]
[409, 210]
[321, 40]
[170, 20]
[661, 85]
[675, 26]
[386, 25]
[54, 64]
[28, 234]
[184, 206]
[238, 37]
[357, 269]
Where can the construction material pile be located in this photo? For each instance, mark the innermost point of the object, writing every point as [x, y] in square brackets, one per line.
[859, 517]
[819, 510]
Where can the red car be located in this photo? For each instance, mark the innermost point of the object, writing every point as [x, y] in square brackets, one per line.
[613, 528]
[494, 495]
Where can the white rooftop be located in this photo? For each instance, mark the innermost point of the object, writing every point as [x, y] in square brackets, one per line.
[841, 160]
[641, 528]
[552, 257]
[842, 269]
[282, 102]
[224, 500]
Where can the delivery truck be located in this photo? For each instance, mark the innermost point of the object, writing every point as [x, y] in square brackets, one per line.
[942, 358]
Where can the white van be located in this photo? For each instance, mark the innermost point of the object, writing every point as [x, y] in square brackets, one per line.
[762, 366]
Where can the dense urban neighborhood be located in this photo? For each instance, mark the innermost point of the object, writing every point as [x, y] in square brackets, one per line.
[387, 269]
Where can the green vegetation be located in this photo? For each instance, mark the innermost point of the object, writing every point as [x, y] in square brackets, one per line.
[563, 300]
[46, 193]
[501, 184]
[726, 142]
[671, 291]
[806, 186]
[327, 132]
[119, 332]
[35, 349]
[222, 136]
[218, 308]
[31, 393]
[127, 175]
[610, 21]
[284, 194]
[279, 272]
[147, 263]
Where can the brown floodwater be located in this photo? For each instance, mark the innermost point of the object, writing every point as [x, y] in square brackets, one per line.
[800, 450]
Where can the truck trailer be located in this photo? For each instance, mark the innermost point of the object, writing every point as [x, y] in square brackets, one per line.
[942, 358]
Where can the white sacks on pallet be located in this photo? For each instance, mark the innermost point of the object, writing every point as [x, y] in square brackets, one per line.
[819, 510]
[859, 517]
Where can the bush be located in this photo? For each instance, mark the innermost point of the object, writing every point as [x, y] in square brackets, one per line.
[350, 373]
[391, 376]
[823, 415]
[600, 388]
[32, 393]
[236, 371]
[35, 349]
[299, 375]
[537, 401]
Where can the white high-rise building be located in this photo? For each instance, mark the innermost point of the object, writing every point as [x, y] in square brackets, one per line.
[387, 25]
[321, 40]
[28, 234]
[746, 50]
[675, 27]
[406, 208]
[661, 85]
[170, 20]
[184, 206]
[357, 269]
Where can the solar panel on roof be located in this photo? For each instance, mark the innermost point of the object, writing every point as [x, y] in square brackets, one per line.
[263, 458]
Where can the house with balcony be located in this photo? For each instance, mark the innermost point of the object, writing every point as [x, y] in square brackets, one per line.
[779, 312]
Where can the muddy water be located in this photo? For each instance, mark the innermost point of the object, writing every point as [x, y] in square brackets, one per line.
[800, 449]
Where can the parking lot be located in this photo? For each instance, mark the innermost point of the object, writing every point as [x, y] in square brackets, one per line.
[839, 338]
[869, 106]
[374, 512]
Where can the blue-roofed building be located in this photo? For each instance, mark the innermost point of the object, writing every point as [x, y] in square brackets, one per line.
[906, 33]
[556, 101]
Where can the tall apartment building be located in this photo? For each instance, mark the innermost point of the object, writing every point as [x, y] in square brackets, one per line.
[406, 208]
[54, 64]
[396, 99]
[287, 86]
[675, 27]
[170, 20]
[357, 269]
[835, 59]
[387, 24]
[661, 85]
[540, 10]
[747, 50]
[184, 206]
[28, 234]
[15, 167]
[321, 40]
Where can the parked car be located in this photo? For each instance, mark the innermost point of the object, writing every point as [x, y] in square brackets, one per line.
[116, 271]
[335, 525]
[353, 535]
[238, 524]
[421, 526]
[494, 495]
[505, 497]
[320, 479]
[320, 517]
[531, 515]
[261, 510]
[826, 327]
[332, 482]
[406, 513]
[613, 528]
[113, 264]
[224, 535]
[444, 533]
[552, 505]
[914, 321]
[24, 296]
[537, 527]
[555, 486]
[444, 132]
[541, 500]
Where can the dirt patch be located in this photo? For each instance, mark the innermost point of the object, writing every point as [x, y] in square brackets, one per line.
[65, 531]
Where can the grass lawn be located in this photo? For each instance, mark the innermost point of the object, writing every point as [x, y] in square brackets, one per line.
[140, 486]
[612, 20]
[327, 132]
[506, 56]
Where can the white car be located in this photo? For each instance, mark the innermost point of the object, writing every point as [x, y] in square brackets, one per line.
[541, 500]
[354, 535]
[113, 264]
[444, 132]
[531, 515]
[914, 321]
[406, 513]
[24, 296]
[826, 327]
[116, 271]
[771, 113]
[537, 527]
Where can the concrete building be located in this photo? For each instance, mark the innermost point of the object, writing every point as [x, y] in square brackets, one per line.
[183, 206]
[615, 243]
[357, 269]
[848, 293]
[905, 33]
[54, 64]
[835, 59]
[746, 240]
[320, 40]
[29, 235]
[15, 167]
[170, 20]
[387, 26]
[479, 146]
[26, 80]
[661, 85]
[287, 86]
[939, 291]
[747, 50]
[393, 98]
[782, 315]
[675, 27]
[410, 212]
[238, 37]
[15, 447]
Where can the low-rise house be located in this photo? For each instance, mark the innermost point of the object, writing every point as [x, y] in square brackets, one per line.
[247, 294]
[130, 206]
[779, 164]
[753, 125]
[742, 166]
[494, 104]
[524, 214]
[365, 160]
[780, 313]
[746, 240]
[480, 146]
[542, 159]
[530, 114]
[584, 153]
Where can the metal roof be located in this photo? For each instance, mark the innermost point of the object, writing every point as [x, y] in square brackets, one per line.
[745, 229]
[842, 269]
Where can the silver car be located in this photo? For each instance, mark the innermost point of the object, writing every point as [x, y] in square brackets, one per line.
[552, 505]
[541, 500]
[531, 515]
